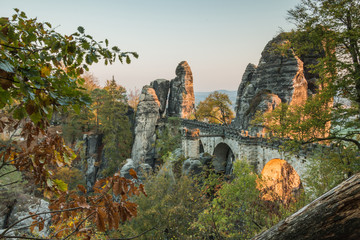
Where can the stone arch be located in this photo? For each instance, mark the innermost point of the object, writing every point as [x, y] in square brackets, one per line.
[280, 181]
[223, 158]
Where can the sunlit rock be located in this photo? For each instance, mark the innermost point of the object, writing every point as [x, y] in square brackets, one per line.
[181, 99]
[280, 182]
[278, 78]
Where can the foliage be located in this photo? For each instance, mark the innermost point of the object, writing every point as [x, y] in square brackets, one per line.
[168, 210]
[215, 109]
[99, 210]
[231, 213]
[169, 138]
[330, 168]
[71, 176]
[237, 211]
[77, 123]
[11, 183]
[41, 151]
[39, 67]
[134, 98]
[40, 74]
[115, 125]
[106, 116]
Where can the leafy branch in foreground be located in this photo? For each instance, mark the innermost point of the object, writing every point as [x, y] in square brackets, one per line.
[40, 73]
[40, 69]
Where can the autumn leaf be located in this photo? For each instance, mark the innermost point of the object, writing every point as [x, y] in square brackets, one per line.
[142, 189]
[132, 173]
[82, 188]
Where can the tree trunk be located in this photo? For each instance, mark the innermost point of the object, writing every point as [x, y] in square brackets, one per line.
[334, 215]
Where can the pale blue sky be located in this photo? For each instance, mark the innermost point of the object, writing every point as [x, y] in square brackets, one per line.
[218, 38]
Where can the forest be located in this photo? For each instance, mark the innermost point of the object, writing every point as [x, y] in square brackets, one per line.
[53, 111]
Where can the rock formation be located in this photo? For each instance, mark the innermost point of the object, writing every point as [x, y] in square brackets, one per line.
[160, 100]
[147, 115]
[278, 78]
[93, 158]
[18, 206]
[161, 87]
[181, 99]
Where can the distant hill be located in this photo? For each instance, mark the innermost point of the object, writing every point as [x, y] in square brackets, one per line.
[201, 96]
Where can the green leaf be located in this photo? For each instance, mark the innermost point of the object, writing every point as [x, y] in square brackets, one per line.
[81, 29]
[61, 185]
[116, 49]
[128, 60]
[76, 108]
[4, 21]
[16, 10]
[23, 15]
[56, 46]
[48, 24]
[107, 42]
[19, 113]
[35, 117]
[136, 55]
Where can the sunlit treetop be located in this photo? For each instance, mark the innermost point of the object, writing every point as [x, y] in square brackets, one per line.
[40, 68]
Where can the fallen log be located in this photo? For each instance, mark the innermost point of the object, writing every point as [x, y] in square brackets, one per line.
[334, 215]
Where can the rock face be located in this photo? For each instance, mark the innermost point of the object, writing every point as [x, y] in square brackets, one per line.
[181, 99]
[278, 78]
[158, 101]
[147, 115]
[18, 207]
[161, 87]
[93, 158]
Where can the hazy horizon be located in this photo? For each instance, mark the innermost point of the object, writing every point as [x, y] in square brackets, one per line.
[217, 38]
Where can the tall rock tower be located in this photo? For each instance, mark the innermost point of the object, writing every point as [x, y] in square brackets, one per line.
[181, 99]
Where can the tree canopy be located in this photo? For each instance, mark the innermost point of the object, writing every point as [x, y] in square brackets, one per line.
[216, 108]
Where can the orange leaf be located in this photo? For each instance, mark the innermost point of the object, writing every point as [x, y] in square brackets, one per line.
[116, 188]
[33, 226]
[41, 225]
[100, 221]
[81, 188]
[142, 189]
[133, 173]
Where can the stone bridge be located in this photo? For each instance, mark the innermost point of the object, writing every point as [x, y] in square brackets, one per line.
[228, 144]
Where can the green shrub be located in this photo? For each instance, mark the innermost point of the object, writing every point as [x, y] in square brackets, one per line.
[169, 209]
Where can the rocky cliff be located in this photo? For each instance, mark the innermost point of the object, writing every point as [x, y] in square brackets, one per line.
[277, 78]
